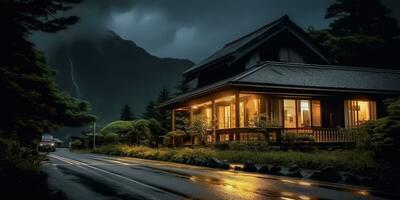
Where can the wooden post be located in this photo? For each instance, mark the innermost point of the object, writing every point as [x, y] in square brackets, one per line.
[237, 111]
[173, 120]
[237, 115]
[213, 119]
[191, 116]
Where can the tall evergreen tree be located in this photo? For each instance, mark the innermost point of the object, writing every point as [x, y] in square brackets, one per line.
[182, 87]
[31, 102]
[151, 111]
[163, 96]
[126, 113]
[366, 17]
[362, 33]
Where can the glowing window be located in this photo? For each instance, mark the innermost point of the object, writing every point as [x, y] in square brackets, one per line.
[358, 112]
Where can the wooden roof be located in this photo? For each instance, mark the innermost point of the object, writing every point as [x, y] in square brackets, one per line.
[295, 76]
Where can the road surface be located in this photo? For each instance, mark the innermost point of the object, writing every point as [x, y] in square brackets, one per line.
[93, 176]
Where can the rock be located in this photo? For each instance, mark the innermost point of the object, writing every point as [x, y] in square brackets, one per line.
[352, 179]
[190, 161]
[249, 166]
[213, 162]
[275, 170]
[296, 174]
[264, 169]
[327, 174]
[238, 168]
[294, 168]
[224, 165]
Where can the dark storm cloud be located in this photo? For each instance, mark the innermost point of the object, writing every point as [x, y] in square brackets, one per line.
[186, 28]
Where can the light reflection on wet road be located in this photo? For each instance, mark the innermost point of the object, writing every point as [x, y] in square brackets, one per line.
[86, 176]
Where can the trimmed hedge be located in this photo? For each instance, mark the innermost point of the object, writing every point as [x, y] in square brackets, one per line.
[354, 161]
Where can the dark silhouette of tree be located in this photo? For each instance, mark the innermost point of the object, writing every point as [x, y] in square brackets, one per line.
[362, 33]
[163, 96]
[367, 17]
[151, 111]
[126, 113]
[182, 87]
[31, 102]
[163, 116]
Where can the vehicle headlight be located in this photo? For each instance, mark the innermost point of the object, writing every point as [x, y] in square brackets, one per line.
[40, 144]
[52, 144]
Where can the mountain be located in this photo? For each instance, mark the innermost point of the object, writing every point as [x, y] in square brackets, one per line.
[110, 72]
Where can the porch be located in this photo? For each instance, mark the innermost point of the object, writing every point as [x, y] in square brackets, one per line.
[245, 116]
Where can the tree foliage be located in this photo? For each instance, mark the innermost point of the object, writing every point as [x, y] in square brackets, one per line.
[126, 113]
[182, 87]
[163, 116]
[384, 133]
[141, 131]
[199, 129]
[119, 127]
[362, 33]
[31, 102]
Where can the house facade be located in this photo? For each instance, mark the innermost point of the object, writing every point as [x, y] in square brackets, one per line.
[278, 76]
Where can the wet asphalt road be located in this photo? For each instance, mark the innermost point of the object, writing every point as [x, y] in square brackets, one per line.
[93, 176]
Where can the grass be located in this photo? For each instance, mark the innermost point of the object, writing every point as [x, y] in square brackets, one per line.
[360, 162]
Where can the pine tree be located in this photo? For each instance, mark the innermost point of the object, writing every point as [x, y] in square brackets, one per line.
[362, 33]
[151, 111]
[126, 113]
[182, 87]
[31, 103]
[163, 96]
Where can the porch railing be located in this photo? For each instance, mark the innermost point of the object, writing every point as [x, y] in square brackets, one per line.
[319, 135]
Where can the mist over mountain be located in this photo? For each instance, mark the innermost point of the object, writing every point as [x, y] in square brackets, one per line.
[110, 72]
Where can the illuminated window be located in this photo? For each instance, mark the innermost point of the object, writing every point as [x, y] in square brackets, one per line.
[224, 116]
[208, 116]
[304, 115]
[358, 112]
[289, 113]
[276, 112]
[241, 113]
[316, 113]
[308, 113]
[203, 112]
[225, 112]
[249, 107]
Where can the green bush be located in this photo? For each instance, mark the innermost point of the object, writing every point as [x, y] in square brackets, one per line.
[20, 171]
[77, 144]
[384, 134]
[354, 161]
[243, 146]
[293, 137]
[111, 138]
[119, 127]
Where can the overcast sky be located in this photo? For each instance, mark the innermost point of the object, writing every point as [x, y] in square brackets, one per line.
[191, 29]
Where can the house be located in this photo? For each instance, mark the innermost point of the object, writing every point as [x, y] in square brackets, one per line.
[278, 75]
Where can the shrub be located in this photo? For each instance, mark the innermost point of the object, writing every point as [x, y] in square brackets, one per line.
[20, 176]
[384, 137]
[293, 137]
[111, 138]
[119, 127]
[243, 146]
[77, 144]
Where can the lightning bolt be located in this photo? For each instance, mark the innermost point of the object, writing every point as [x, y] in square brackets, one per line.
[71, 64]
